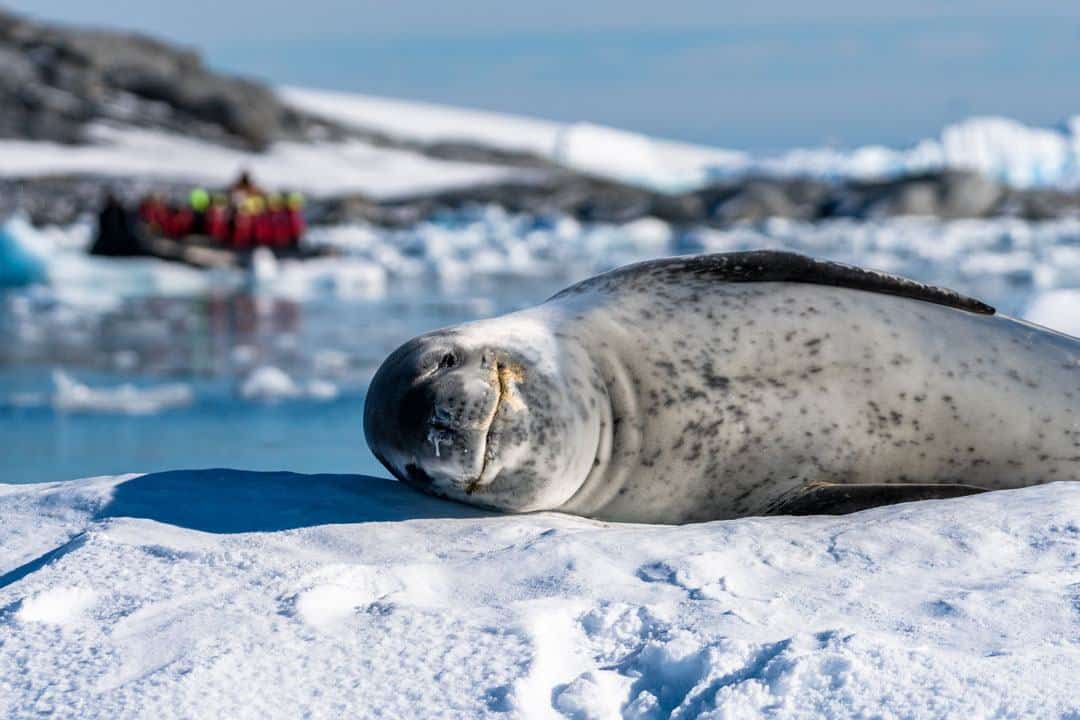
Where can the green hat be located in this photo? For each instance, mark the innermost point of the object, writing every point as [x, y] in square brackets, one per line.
[199, 199]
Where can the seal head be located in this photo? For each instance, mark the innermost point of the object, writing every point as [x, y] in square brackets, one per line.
[483, 415]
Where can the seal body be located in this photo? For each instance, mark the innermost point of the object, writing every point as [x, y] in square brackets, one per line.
[714, 387]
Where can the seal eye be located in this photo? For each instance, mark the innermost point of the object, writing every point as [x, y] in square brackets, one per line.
[448, 361]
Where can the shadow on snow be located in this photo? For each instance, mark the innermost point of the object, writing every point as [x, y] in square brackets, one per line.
[235, 501]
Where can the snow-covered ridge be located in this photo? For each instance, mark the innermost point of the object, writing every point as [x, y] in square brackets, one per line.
[238, 594]
[317, 168]
[1000, 148]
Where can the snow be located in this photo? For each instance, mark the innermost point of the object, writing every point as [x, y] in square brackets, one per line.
[1001, 148]
[56, 606]
[317, 168]
[426, 122]
[610, 152]
[227, 593]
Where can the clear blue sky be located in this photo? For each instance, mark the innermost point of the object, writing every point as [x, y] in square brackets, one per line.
[757, 75]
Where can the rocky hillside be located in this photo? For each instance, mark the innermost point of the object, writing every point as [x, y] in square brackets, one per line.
[56, 79]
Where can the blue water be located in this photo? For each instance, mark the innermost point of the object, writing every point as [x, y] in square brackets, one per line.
[210, 343]
[42, 444]
[211, 346]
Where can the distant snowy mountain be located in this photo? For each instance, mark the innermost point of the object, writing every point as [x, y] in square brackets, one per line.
[1001, 149]
[102, 108]
[997, 148]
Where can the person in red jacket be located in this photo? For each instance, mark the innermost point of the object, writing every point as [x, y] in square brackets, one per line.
[179, 222]
[262, 228]
[217, 219]
[279, 221]
[243, 226]
[153, 213]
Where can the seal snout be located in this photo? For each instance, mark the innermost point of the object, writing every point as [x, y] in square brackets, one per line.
[430, 410]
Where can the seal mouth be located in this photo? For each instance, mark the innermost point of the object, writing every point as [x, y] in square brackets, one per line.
[501, 381]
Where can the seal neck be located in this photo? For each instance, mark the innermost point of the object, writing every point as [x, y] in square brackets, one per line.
[619, 436]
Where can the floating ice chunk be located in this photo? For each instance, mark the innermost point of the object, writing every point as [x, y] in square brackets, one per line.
[649, 233]
[1058, 310]
[18, 265]
[244, 355]
[70, 395]
[330, 362]
[1009, 151]
[264, 266]
[322, 390]
[268, 384]
[125, 359]
[341, 278]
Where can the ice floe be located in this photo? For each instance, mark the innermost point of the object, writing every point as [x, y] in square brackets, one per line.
[187, 594]
[267, 383]
[70, 395]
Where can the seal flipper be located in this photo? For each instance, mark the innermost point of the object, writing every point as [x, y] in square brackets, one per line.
[776, 266]
[837, 499]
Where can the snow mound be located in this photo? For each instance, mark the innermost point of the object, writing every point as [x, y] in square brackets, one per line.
[639, 159]
[426, 122]
[228, 593]
[56, 606]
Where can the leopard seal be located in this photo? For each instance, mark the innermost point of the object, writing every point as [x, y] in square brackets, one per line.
[719, 386]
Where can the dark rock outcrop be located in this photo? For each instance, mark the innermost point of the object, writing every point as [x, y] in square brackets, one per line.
[947, 195]
[56, 79]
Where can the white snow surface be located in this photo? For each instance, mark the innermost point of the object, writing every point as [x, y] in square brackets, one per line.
[250, 595]
[999, 147]
[317, 168]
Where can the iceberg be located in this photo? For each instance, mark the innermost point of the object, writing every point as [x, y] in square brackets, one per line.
[18, 265]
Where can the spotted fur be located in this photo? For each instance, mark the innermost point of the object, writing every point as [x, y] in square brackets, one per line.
[719, 386]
